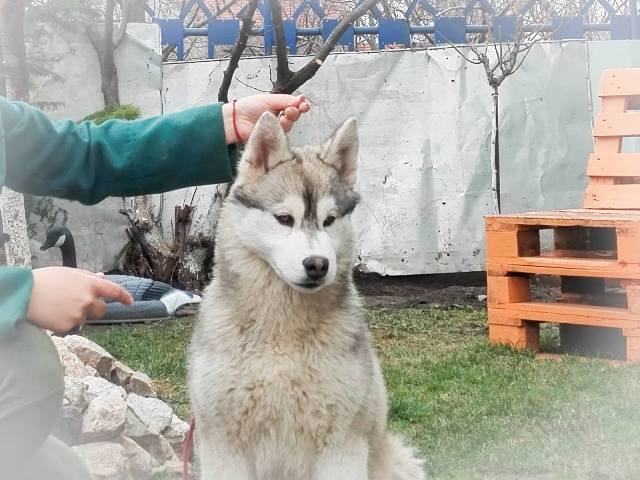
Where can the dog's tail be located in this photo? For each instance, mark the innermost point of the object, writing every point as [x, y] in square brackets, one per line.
[404, 461]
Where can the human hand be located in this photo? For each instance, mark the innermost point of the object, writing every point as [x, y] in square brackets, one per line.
[249, 109]
[62, 298]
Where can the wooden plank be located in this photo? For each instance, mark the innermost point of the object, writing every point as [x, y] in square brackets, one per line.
[633, 349]
[607, 145]
[633, 298]
[617, 125]
[623, 197]
[614, 165]
[628, 244]
[581, 217]
[501, 244]
[512, 243]
[500, 316]
[617, 104]
[572, 313]
[572, 267]
[525, 337]
[511, 289]
[619, 81]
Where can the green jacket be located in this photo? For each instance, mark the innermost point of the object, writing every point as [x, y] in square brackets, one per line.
[88, 162]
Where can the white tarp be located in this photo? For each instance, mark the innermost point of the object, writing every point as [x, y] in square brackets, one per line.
[425, 126]
[422, 183]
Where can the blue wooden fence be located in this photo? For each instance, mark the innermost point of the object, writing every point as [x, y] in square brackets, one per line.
[397, 31]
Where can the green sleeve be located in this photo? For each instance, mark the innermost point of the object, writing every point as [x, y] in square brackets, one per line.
[88, 162]
[15, 292]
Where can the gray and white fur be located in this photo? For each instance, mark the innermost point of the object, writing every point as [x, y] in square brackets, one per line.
[284, 382]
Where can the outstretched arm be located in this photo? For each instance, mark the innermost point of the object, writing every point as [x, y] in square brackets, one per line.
[88, 162]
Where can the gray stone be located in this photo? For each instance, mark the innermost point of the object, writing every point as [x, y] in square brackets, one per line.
[69, 425]
[57, 341]
[96, 386]
[104, 418]
[175, 433]
[73, 366]
[91, 354]
[158, 447]
[140, 384]
[159, 473]
[141, 462]
[173, 469]
[74, 393]
[106, 460]
[121, 374]
[146, 416]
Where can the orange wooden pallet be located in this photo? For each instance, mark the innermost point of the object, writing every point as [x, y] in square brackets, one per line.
[593, 248]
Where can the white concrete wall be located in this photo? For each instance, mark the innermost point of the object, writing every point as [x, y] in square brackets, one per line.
[424, 120]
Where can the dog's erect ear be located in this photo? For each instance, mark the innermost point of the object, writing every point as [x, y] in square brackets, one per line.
[341, 150]
[267, 146]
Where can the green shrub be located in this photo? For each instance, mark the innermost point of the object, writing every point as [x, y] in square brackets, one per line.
[122, 112]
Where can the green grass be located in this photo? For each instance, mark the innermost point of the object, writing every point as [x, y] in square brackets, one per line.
[475, 411]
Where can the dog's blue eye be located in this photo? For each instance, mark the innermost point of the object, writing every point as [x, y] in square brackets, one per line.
[286, 220]
[329, 221]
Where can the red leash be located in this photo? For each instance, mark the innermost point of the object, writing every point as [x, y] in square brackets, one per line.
[186, 449]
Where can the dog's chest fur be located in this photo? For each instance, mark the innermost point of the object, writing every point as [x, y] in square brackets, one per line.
[293, 387]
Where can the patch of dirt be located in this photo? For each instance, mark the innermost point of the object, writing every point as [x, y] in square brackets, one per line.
[446, 291]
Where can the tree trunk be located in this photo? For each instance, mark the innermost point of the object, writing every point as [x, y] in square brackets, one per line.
[13, 49]
[16, 84]
[105, 47]
[196, 259]
[108, 65]
[14, 223]
[187, 261]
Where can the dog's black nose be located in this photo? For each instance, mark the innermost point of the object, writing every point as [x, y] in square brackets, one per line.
[316, 267]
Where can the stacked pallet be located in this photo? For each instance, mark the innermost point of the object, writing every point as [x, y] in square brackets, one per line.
[596, 250]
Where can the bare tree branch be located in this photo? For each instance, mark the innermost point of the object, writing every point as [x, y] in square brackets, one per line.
[250, 86]
[247, 23]
[283, 74]
[524, 57]
[310, 69]
[387, 9]
[475, 61]
[122, 30]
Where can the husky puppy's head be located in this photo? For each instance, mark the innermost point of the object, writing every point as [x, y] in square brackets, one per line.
[292, 206]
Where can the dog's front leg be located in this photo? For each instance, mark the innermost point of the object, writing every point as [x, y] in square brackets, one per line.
[227, 468]
[217, 462]
[344, 462]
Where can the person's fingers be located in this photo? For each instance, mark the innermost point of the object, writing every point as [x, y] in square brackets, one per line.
[285, 123]
[278, 101]
[304, 107]
[298, 101]
[292, 113]
[97, 309]
[105, 288]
